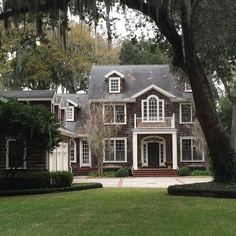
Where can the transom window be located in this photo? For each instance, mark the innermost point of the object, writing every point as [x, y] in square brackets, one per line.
[191, 150]
[115, 150]
[72, 151]
[114, 85]
[15, 154]
[153, 109]
[115, 114]
[186, 115]
[69, 114]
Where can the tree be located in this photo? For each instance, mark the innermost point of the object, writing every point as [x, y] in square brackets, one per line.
[141, 52]
[33, 126]
[189, 26]
[100, 130]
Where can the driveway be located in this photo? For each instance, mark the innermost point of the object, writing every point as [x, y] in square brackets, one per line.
[142, 182]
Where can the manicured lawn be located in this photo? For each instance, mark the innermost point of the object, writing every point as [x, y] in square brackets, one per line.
[116, 212]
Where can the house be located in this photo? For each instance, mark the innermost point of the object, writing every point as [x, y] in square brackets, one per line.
[11, 149]
[154, 111]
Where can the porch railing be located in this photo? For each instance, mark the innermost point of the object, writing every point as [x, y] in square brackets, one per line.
[165, 122]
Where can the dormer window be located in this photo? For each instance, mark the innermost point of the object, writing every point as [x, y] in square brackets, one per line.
[187, 87]
[114, 85]
[69, 113]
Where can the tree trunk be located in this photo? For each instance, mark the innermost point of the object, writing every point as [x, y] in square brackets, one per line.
[100, 166]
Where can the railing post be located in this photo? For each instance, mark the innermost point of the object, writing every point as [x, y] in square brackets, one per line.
[173, 121]
[135, 121]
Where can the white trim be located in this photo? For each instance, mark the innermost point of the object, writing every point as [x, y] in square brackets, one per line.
[73, 113]
[181, 150]
[158, 89]
[180, 113]
[75, 151]
[72, 102]
[174, 152]
[135, 151]
[116, 79]
[7, 155]
[114, 72]
[115, 139]
[186, 89]
[114, 113]
[34, 99]
[148, 109]
[81, 153]
[154, 131]
[163, 142]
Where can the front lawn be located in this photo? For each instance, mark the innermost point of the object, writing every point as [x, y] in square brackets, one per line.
[116, 212]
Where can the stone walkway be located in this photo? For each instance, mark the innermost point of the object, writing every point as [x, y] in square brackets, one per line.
[142, 182]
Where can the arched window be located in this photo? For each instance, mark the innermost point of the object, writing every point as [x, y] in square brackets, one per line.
[72, 151]
[153, 109]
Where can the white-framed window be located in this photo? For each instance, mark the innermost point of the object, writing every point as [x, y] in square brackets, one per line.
[191, 150]
[115, 150]
[114, 113]
[187, 87]
[152, 109]
[73, 151]
[85, 153]
[186, 113]
[15, 154]
[114, 85]
[69, 113]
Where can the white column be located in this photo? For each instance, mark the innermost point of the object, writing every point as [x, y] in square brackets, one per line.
[135, 151]
[174, 151]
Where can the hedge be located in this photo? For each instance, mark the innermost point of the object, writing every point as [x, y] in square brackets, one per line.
[74, 187]
[210, 189]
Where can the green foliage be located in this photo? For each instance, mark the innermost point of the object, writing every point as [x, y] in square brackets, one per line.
[122, 172]
[93, 174]
[142, 52]
[37, 180]
[184, 171]
[109, 173]
[33, 125]
[201, 173]
[209, 189]
[225, 113]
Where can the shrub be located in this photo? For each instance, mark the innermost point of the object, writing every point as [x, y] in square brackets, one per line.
[122, 172]
[201, 173]
[38, 180]
[184, 171]
[93, 174]
[110, 173]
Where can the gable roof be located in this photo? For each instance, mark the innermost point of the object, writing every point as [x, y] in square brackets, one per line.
[136, 79]
[28, 95]
[114, 72]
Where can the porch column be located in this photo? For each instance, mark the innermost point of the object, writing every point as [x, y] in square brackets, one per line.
[135, 151]
[174, 151]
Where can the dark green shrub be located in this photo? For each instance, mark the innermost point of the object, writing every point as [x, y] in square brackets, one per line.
[122, 172]
[184, 171]
[93, 174]
[201, 173]
[110, 173]
[61, 179]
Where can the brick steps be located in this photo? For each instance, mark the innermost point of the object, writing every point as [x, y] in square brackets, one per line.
[152, 172]
[82, 171]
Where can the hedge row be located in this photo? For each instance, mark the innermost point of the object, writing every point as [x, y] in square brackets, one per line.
[210, 189]
[74, 187]
[37, 180]
[121, 172]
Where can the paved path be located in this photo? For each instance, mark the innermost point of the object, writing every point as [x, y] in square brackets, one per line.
[142, 182]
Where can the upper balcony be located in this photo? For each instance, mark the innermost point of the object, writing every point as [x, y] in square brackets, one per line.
[163, 123]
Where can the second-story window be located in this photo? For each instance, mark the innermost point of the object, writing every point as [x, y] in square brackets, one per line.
[153, 109]
[69, 114]
[114, 85]
[186, 115]
[115, 113]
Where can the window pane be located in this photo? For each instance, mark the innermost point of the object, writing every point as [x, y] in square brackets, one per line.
[69, 114]
[114, 85]
[16, 151]
[85, 152]
[186, 112]
[186, 149]
[109, 114]
[109, 150]
[72, 151]
[119, 113]
[152, 109]
[144, 110]
[120, 150]
[161, 115]
[197, 150]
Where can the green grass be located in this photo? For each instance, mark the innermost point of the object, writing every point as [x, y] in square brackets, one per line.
[116, 212]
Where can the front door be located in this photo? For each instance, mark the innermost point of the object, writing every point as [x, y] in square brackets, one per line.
[153, 154]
